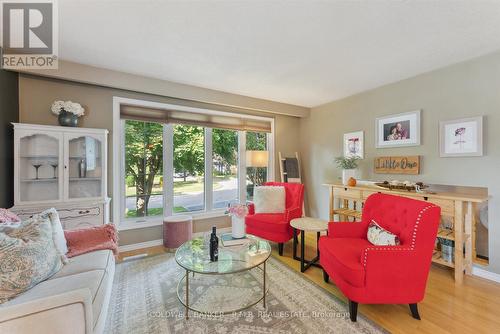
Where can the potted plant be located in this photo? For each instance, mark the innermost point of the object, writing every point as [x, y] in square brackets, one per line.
[349, 167]
[67, 112]
[237, 212]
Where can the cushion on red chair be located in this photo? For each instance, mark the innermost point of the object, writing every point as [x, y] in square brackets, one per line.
[294, 193]
[344, 256]
[271, 222]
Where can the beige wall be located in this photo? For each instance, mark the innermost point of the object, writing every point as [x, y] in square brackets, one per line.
[467, 89]
[36, 94]
[108, 78]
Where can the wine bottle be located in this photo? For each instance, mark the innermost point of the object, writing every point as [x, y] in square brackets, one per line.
[214, 245]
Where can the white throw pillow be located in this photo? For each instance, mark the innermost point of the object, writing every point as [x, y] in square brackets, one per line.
[379, 236]
[269, 199]
[57, 230]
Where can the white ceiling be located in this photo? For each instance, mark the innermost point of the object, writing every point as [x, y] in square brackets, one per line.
[299, 52]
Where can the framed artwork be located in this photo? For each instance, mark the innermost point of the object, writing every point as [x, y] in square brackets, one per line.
[461, 137]
[398, 130]
[354, 144]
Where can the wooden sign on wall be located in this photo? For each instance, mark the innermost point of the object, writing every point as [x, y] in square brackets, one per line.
[398, 165]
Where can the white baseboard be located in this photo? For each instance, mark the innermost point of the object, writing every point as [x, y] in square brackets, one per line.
[153, 243]
[140, 245]
[479, 272]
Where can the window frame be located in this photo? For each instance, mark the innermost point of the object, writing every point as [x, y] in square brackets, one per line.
[119, 186]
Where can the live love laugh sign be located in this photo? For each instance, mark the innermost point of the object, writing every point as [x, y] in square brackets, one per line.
[398, 165]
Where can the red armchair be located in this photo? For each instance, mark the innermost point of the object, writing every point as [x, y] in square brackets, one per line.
[276, 226]
[382, 274]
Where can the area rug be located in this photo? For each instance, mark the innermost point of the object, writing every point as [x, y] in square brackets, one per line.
[144, 300]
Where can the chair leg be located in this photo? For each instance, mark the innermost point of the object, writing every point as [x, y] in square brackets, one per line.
[353, 310]
[414, 311]
[280, 248]
[325, 276]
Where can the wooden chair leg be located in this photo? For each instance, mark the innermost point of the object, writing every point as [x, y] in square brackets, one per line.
[326, 278]
[280, 248]
[353, 310]
[414, 311]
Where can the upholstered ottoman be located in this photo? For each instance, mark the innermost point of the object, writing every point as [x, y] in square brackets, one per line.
[177, 230]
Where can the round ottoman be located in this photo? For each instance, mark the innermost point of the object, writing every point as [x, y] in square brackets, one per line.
[177, 230]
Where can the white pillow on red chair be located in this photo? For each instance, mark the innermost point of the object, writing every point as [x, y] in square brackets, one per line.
[269, 199]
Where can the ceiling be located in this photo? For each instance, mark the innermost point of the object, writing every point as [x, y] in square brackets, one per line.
[299, 52]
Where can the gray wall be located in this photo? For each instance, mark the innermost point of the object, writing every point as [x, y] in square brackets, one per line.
[36, 94]
[9, 112]
[467, 89]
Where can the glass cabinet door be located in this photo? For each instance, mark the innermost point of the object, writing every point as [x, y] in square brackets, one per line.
[39, 162]
[85, 167]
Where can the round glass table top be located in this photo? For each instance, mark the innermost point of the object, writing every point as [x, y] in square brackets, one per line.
[194, 255]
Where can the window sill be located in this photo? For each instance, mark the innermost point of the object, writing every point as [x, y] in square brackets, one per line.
[158, 221]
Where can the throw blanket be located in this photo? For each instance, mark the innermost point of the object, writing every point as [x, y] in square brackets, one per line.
[292, 168]
[87, 240]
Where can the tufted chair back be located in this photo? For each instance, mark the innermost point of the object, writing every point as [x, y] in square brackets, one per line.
[294, 193]
[407, 218]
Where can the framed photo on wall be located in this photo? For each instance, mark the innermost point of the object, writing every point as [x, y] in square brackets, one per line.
[354, 144]
[461, 137]
[398, 130]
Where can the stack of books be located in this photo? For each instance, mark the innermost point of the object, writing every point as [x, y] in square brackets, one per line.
[228, 240]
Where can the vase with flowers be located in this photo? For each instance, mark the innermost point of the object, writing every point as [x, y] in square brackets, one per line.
[237, 213]
[68, 112]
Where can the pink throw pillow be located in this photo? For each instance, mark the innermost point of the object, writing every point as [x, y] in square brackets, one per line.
[7, 216]
[91, 239]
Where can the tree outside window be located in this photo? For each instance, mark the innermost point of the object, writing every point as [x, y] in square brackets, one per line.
[255, 141]
[189, 168]
[225, 170]
[143, 168]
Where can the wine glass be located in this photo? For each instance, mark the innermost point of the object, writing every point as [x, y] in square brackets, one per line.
[37, 165]
[54, 165]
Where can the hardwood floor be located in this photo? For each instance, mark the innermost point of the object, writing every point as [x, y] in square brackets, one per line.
[447, 308]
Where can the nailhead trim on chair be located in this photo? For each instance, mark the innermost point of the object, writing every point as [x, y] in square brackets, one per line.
[414, 237]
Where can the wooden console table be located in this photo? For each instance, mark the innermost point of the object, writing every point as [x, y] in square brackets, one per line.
[457, 208]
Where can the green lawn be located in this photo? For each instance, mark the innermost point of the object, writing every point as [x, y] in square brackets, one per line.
[182, 188]
[155, 212]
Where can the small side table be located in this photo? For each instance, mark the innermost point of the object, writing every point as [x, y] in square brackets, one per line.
[309, 225]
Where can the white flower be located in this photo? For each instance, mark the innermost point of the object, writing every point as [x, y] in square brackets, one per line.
[68, 106]
[57, 106]
[74, 108]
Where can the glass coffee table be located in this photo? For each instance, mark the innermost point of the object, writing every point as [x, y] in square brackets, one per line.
[225, 286]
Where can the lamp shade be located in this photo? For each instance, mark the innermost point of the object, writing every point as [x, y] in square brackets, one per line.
[257, 158]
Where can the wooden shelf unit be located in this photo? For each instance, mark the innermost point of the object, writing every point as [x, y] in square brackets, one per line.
[346, 212]
[458, 208]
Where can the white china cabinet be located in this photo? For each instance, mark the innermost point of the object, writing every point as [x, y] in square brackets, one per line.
[61, 167]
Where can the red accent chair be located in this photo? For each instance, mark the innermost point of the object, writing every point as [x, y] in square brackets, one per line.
[382, 274]
[276, 226]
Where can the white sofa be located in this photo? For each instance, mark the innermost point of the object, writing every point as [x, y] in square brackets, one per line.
[75, 300]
